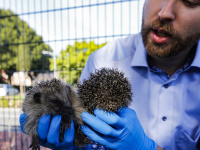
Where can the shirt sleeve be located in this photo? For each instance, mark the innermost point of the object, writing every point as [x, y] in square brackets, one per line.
[96, 146]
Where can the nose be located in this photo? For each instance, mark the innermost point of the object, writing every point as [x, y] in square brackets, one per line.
[167, 12]
[71, 112]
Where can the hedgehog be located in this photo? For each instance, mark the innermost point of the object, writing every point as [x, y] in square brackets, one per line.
[106, 89]
[55, 98]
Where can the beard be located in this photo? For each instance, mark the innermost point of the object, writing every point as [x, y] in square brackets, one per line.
[174, 46]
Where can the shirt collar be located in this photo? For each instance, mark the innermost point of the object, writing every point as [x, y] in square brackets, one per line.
[140, 56]
[196, 61]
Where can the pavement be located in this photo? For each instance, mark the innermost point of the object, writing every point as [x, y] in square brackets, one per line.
[11, 137]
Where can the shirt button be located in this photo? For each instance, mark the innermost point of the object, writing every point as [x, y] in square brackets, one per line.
[166, 85]
[164, 118]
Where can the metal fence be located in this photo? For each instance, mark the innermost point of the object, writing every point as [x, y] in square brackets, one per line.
[42, 39]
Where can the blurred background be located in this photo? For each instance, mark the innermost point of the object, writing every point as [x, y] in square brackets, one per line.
[42, 39]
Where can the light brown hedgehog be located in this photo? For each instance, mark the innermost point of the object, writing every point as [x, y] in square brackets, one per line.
[55, 98]
[107, 89]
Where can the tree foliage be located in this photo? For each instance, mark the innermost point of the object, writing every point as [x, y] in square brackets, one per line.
[21, 50]
[71, 61]
[20, 46]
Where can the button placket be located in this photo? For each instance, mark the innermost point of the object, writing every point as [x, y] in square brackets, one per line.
[165, 111]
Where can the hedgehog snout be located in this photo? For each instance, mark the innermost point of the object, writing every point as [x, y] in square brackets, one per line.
[70, 111]
[65, 110]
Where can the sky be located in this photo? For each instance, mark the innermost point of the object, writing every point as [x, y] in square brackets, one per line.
[61, 22]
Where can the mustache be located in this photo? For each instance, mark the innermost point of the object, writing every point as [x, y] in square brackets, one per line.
[167, 26]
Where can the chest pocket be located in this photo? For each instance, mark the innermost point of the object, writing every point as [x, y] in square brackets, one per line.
[184, 142]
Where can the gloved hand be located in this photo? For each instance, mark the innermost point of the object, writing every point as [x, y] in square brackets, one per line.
[48, 131]
[118, 131]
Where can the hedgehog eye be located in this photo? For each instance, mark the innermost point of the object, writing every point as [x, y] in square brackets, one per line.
[54, 101]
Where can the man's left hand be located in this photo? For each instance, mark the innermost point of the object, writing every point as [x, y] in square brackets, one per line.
[118, 131]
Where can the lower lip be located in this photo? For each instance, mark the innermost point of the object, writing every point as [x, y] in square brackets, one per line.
[158, 39]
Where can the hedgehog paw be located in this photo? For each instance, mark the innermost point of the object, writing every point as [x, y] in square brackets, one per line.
[35, 143]
[35, 146]
[63, 128]
[65, 123]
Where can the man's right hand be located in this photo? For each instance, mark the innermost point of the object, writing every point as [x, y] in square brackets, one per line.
[48, 131]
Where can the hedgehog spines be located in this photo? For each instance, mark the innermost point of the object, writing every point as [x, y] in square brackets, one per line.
[106, 89]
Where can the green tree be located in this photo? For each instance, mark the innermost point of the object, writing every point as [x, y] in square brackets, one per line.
[71, 61]
[20, 46]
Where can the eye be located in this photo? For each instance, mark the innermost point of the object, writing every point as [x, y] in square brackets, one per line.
[54, 101]
[190, 4]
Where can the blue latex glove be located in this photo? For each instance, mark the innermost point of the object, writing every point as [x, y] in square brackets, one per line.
[48, 131]
[119, 131]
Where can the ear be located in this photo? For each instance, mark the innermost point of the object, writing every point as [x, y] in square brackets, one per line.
[68, 92]
[37, 97]
[68, 88]
[55, 85]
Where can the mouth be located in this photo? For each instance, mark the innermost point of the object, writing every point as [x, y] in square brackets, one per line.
[159, 35]
[161, 32]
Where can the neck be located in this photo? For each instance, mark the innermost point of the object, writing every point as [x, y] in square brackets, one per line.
[171, 64]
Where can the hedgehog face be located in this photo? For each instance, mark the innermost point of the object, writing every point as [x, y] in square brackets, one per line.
[50, 97]
[52, 103]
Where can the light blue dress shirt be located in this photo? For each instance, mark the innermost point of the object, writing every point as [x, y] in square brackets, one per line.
[168, 108]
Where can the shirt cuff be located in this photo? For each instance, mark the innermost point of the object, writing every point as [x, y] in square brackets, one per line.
[87, 147]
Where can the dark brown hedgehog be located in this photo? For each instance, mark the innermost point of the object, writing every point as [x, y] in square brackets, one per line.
[106, 89]
[55, 98]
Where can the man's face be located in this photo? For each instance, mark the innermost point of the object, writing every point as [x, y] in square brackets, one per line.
[170, 26]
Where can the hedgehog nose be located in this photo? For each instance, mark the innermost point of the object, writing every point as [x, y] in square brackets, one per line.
[71, 112]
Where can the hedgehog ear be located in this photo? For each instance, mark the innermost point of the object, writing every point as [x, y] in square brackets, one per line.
[37, 97]
[68, 88]
[69, 93]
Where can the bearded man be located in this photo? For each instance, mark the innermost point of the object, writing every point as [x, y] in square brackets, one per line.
[163, 65]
